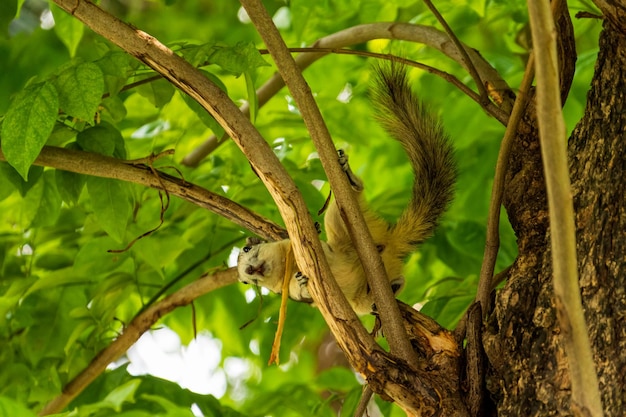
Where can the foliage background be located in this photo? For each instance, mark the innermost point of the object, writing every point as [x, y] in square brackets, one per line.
[63, 297]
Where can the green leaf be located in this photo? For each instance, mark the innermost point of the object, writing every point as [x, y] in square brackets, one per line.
[47, 336]
[101, 139]
[115, 67]
[16, 182]
[10, 408]
[253, 99]
[115, 108]
[337, 379]
[93, 258]
[6, 186]
[8, 10]
[237, 59]
[28, 124]
[69, 29]
[59, 278]
[69, 184]
[50, 203]
[112, 205]
[170, 408]
[203, 114]
[26, 208]
[170, 245]
[80, 90]
[159, 92]
[123, 393]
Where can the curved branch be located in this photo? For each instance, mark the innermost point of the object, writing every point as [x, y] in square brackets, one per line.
[462, 50]
[140, 324]
[363, 33]
[107, 167]
[328, 297]
[492, 242]
[393, 327]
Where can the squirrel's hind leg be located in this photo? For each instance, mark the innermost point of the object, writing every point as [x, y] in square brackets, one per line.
[355, 182]
[336, 232]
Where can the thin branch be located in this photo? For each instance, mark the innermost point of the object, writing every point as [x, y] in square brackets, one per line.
[488, 106]
[140, 324]
[466, 59]
[390, 375]
[366, 396]
[107, 167]
[307, 247]
[359, 34]
[585, 392]
[135, 84]
[393, 327]
[492, 243]
[164, 289]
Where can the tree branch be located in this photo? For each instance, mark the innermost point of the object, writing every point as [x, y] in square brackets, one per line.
[140, 324]
[492, 242]
[388, 374]
[464, 55]
[307, 247]
[585, 391]
[386, 30]
[375, 272]
[107, 167]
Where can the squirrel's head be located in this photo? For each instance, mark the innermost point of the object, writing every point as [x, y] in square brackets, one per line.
[262, 263]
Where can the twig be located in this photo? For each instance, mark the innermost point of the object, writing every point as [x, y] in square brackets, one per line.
[149, 163]
[136, 84]
[184, 273]
[362, 351]
[466, 59]
[107, 167]
[366, 395]
[359, 34]
[138, 326]
[489, 107]
[359, 232]
[492, 242]
[585, 391]
[326, 293]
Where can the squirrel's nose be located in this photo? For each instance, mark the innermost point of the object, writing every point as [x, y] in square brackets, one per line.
[258, 270]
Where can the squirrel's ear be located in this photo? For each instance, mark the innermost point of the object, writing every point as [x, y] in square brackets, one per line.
[253, 240]
[397, 285]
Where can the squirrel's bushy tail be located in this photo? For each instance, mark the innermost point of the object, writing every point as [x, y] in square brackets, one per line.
[430, 152]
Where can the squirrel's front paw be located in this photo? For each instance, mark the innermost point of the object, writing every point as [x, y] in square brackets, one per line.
[302, 281]
[343, 159]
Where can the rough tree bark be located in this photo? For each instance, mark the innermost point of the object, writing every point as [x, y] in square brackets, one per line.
[527, 370]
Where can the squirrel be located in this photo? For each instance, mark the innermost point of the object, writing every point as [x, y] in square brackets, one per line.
[404, 117]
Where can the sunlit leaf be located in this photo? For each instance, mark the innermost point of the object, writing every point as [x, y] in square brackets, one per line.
[11, 408]
[112, 204]
[123, 393]
[80, 90]
[159, 92]
[101, 139]
[27, 125]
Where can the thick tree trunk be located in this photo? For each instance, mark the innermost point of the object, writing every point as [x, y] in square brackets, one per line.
[527, 371]
[598, 169]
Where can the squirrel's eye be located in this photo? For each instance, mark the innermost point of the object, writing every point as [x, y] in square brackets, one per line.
[246, 249]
